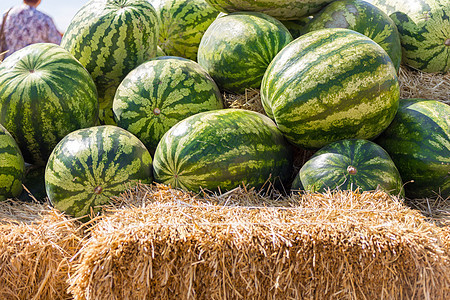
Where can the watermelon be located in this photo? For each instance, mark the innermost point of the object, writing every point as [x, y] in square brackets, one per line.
[328, 85]
[222, 149]
[45, 93]
[12, 166]
[418, 140]
[90, 165]
[349, 165]
[182, 24]
[424, 28]
[237, 48]
[110, 38]
[160, 93]
[280, 9]
[364, 18]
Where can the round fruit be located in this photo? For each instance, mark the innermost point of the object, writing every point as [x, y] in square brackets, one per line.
[328, 85]
[182, 25]
[12, 166]
[160, 93]
[93, 164]
[222, 149]
[45, 93]
[351, 164]
[110, 38]
[237, 48]
[364, 18]
[418, 140]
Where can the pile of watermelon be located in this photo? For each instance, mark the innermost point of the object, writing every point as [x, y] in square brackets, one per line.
[134, 93]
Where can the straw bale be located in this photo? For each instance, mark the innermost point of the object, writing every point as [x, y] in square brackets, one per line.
[36, 245]
[418, 84]
[240, 245]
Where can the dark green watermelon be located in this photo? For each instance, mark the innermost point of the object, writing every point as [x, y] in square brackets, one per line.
[237, 48]
[222, 149]
[349, 165]
[91, 165]
[418, 140]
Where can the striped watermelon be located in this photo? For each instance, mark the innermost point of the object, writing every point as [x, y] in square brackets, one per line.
[91, 165]
[45, 93]
[12, 166]
[328, 85]
[418, 140]
[223, 149]
[364, 18]
[351, 164]
[160, 93]
[424, 28]
[237, 48]
[110, 38]
[182, 25]
[280, 9]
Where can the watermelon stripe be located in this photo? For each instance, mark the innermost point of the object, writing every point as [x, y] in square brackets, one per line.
[237, 48]
[327, 168]
[221, 148]
[316, 97]
[364, 18]
[418, 141]
[280, 9]
[424, 27]
[12, 166]
[71, 176]
[176, 87]
[59, 87]
[110, 38]
[182, 25]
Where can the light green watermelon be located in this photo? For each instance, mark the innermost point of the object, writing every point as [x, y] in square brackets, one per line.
[110, 38]
[424, 28]
[12, 166]
[182, 24]
[45, 93]
[280, 9]
[328, 85]
[160, 93]
[221, 150]
[364, 18]
[237, 48]
[91, 165]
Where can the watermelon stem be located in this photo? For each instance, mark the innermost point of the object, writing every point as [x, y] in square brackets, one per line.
[447, 42]
[352, 170]
[98, 190]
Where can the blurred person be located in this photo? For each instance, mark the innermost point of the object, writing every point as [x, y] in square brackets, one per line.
[25, 25]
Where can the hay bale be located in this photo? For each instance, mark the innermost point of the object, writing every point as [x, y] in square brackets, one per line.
[342, 245]
[36, 245]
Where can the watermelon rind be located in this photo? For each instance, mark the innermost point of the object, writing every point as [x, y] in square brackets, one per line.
[418, 140]
[424, 28]
[349, 165]
[328, 85]
[110, 38]
[237, 48]
[280, 9]
[160, 93]
[45, 93]
[364, 18]
[182, 24]
[221, 150]
[12, 166]
[91, 165]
